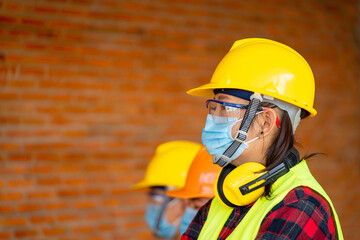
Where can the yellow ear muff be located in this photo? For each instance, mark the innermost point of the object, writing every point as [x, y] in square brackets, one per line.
[231, 178]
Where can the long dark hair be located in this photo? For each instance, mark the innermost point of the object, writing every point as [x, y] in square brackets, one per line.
[281, 144]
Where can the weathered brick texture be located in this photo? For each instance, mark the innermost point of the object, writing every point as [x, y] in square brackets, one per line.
[89, 88]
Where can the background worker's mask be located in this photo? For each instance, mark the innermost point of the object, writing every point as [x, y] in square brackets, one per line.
[187, 218]
[243, 185]
[216, 136]
[156, 219]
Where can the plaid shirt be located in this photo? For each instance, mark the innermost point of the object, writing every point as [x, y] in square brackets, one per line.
[302, 214]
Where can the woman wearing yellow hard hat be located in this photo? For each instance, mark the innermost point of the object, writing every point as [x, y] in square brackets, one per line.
[167, 170]
[259, 93]
[199, 186]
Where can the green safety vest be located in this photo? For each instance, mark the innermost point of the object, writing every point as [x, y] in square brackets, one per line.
[249, 227]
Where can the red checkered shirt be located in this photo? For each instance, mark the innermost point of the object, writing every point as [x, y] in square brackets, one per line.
[302, 214]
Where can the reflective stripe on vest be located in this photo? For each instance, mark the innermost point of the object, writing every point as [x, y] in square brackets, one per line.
[249, 227]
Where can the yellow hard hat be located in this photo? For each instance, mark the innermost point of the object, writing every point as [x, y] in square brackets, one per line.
[266, 67]
[200, 179]
[169, 165]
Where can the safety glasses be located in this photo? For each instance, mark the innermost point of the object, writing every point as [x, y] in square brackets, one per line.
[157, 198]
[226, 109]
[223, 111]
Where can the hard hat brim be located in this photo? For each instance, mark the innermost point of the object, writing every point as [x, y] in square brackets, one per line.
[183, 193]
[140, 185]
[205, 90]
[143, 185]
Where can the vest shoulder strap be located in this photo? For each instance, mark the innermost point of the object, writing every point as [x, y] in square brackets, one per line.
[216, 219]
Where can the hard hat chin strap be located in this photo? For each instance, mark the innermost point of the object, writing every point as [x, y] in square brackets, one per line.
[241, 136]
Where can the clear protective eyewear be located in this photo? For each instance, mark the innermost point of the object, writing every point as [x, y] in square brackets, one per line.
[226, 109]
[157, 198]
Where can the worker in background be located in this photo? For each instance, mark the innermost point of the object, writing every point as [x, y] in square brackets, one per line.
[167, 170]
[258, 94]
[199, 186]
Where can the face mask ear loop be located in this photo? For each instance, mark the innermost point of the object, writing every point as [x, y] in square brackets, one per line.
[252, 140]
[249, 116]
[236, 139]
[167, 199]
[239, 120]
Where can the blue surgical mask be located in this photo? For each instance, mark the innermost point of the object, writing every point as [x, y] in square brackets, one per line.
[187, 218]
[216, 136]
[156, 220]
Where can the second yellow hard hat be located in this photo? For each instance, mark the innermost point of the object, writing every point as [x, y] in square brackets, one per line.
[170, 164]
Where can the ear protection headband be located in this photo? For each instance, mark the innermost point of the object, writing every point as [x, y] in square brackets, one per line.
[242, 185]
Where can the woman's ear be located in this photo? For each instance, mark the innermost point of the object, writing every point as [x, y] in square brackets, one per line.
[268, 121]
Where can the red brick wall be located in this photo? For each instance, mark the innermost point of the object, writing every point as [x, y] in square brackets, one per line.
[89, 88]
